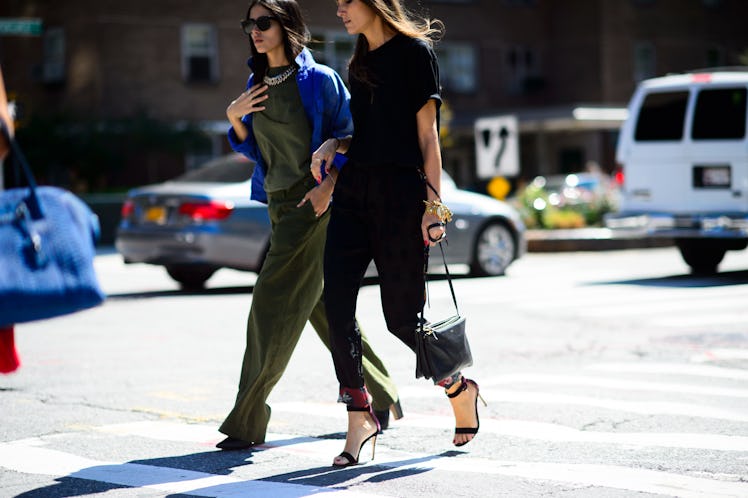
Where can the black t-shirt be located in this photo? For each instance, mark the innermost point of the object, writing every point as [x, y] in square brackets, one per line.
[405, 74]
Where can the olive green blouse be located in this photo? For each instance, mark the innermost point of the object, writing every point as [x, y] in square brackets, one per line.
[283, 134]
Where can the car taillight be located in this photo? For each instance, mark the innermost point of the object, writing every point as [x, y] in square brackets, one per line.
[128, 207]
[618, 177]
[210, 210]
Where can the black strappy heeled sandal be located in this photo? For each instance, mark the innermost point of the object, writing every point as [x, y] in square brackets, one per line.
[464, 387]
[351, 460]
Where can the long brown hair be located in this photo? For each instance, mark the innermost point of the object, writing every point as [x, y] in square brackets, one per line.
[295, 32]
[401, 20]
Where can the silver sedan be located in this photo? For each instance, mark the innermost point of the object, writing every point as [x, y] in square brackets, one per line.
[204, 220]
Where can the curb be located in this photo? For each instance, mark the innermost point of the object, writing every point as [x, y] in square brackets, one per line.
[590, 239]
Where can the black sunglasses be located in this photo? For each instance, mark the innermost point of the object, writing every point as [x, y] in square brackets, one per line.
[263, 23]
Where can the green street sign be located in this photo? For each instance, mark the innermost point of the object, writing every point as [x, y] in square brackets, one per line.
[20, 26]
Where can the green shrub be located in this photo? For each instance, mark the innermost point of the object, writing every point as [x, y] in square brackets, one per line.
[534, 205]
[554, 218]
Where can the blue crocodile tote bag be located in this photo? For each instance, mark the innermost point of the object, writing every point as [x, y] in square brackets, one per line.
[47, 248]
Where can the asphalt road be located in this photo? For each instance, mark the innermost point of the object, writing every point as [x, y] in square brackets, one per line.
[609, 374]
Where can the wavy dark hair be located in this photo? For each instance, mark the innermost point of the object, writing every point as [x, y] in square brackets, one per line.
[401, 20]
[295, 32]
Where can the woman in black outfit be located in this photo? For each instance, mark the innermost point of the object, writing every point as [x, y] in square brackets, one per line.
[383, 210]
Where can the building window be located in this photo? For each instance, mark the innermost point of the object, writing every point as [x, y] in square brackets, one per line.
[199, 53]
[334, 49]
[53, 50]
[644, 61]
[522, 67]
[457, 66]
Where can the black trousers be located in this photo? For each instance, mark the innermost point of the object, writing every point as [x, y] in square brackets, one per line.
[376, 215]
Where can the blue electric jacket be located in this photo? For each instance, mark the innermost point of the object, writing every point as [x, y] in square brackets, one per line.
[326, 102]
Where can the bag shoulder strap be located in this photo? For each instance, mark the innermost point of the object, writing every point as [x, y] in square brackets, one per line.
[449, 280]
[19, 158]
[444, 259]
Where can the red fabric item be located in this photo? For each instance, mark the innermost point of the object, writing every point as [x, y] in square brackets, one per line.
[9, 361]
[354, 397]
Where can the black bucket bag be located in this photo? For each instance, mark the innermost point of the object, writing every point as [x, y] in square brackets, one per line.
[442, 347]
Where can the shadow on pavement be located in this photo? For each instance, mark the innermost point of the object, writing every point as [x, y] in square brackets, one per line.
[691, 280]
[328, 475]
[214, 462]
[140, 473]
[70, 486]
[184, 292]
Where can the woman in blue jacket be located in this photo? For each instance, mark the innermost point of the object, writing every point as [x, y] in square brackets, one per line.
[291, 106]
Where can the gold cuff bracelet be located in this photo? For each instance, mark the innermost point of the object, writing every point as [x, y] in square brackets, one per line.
[439, 210]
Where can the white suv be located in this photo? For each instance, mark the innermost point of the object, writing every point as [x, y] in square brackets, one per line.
[684, 152]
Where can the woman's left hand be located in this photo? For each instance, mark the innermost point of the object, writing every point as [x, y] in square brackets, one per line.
[319, 196]
[324, 154]
[437, 233]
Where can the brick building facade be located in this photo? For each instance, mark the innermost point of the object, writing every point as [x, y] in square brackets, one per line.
[182, 61]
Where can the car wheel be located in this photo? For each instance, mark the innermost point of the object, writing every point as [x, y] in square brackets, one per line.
[191, 276]
[494, 250]
[703, 256]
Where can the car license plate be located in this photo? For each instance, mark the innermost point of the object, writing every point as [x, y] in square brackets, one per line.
[712, 176]
[155, 214]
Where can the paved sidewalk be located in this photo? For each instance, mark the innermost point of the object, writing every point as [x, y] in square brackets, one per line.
[590, 239]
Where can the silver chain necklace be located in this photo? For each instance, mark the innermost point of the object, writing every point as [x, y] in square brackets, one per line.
[277, 80]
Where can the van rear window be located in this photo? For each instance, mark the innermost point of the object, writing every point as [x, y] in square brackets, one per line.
[720, 114]
[661, 116]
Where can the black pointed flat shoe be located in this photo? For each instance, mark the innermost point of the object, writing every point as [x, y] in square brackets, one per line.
[233, 444]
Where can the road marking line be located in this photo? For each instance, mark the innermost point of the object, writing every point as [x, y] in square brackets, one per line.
[628, 385]
[549, 398]
[687, 321]
[654, 309]
[542, 431]
[641, 407]
[673, 369]
[649, 303]
[165, 431]
[718, 354]
[26, 456]
[608, 476]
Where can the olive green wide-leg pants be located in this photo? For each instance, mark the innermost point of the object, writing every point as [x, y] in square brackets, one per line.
[287, 294]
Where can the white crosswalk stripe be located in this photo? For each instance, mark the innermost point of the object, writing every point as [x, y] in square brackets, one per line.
[30, 458]
[657, 306]
[670, 382]
[554, 432]
[618, 384]
[673, 369]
